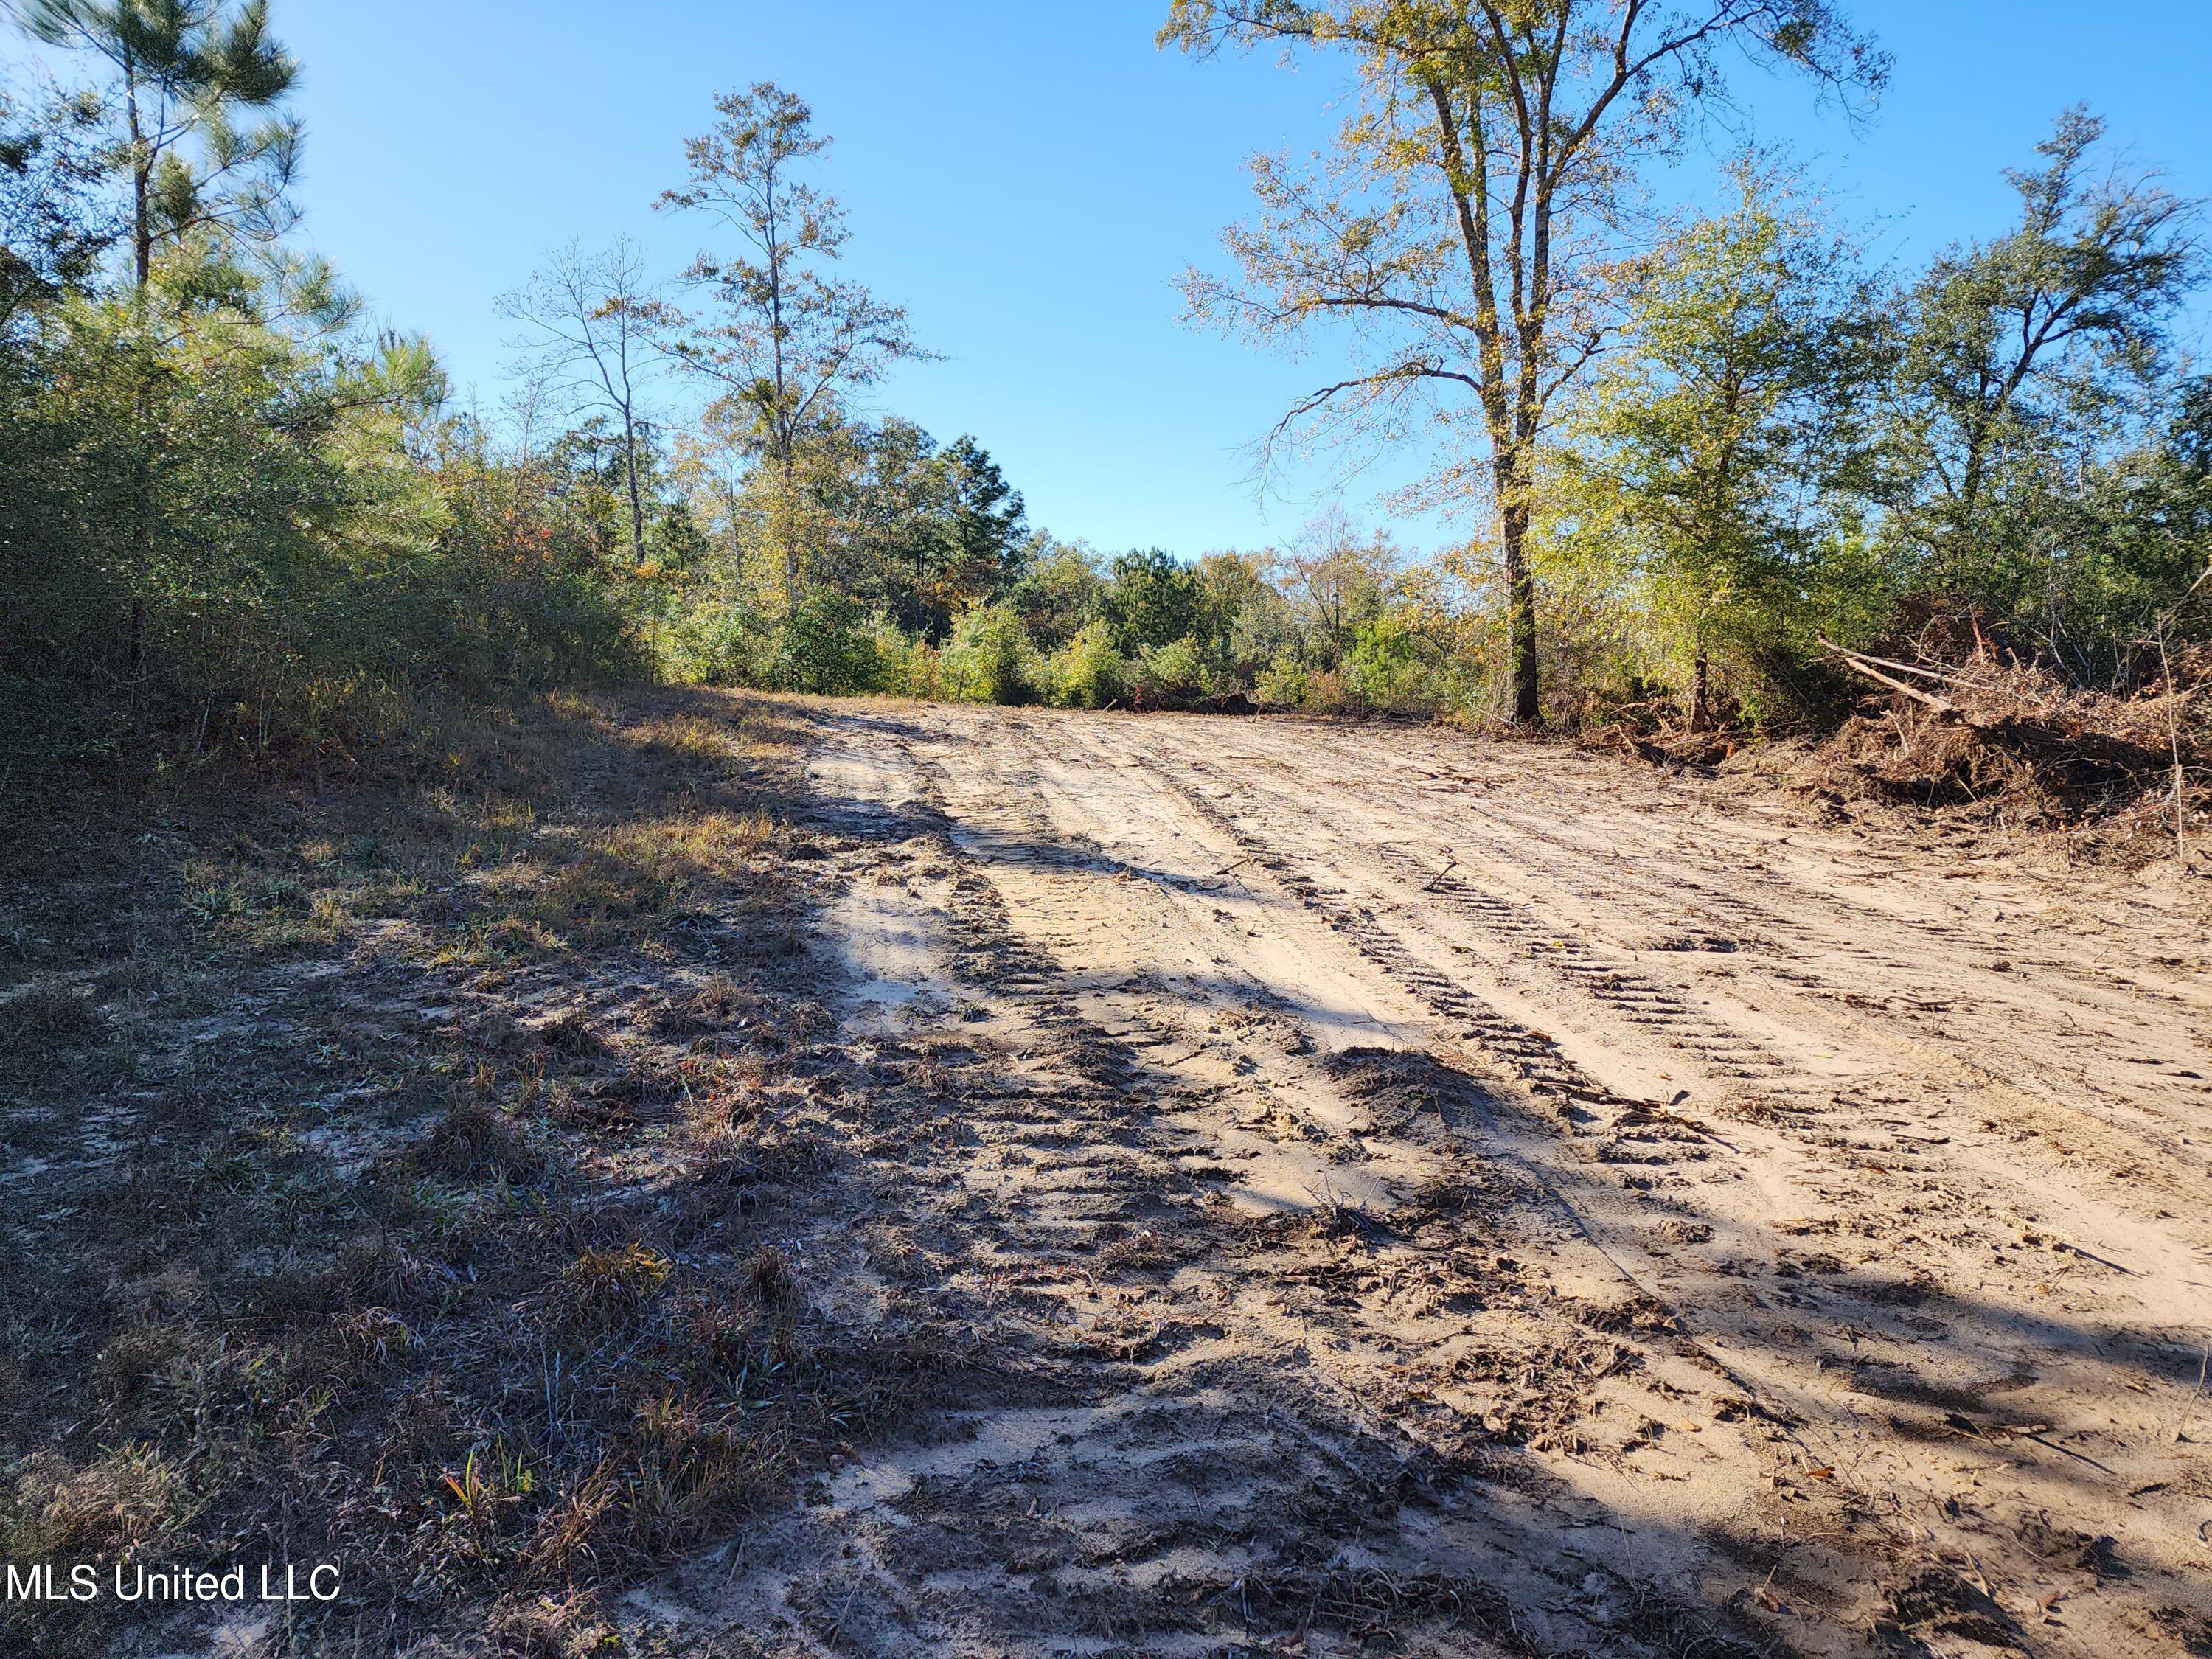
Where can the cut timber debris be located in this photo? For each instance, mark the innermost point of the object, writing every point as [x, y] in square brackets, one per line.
[2013, 742]
[1872, 668]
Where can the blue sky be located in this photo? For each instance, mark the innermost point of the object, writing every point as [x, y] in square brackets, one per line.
[1028, 179]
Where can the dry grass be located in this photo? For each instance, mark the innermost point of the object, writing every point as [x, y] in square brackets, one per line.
[475, 1138]
[430, 1234]
[717, 1003]
[126, 1497]
[49, 1010]
[602, 1290]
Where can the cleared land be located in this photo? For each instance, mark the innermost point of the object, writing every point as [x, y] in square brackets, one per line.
[1012, 1183]
[1507, 1176]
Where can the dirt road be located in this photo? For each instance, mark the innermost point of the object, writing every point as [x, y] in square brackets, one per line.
[1508, 1200]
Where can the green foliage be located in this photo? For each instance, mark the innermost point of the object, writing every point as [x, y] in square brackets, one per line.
[1448, 240]
[1387, 664]
[186, 71]
[235, 522]
[1171, 676]
[1256, 622]
[55, 223]
[989, 658]
[1286, 680]
[224, 537]
[911, 667]
[1151, 599]
[782, 342]
[1088, 671]
[1710, 457]
[827, 646]
[1057, 593]
[1336, 580]
[2038, 472]
[1781, 453]
[918, 531]
[708, 641]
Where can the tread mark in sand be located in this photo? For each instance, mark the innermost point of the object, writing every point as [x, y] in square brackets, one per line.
[1534, 1059]
[1776, 1079]
[1628, 993]
[1619, 988]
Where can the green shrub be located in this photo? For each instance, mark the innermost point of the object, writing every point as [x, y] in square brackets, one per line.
[1326, 693]
[1173, 676]
[989, 658]
[1088, 672]
[711, 641]
[217, 537]
[1385, 667]
[1283, 680]
[828, 648]
[908, 664]
[922, 672]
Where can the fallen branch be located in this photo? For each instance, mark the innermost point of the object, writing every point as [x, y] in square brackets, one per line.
[1921, 669]
[1865, 665]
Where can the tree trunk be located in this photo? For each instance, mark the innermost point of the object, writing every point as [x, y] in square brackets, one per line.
[141, 230]
[1510, 433]
[1520, 616]
[789, 534]
[636, 510]
[141, 178]
[1700, 684]
[1513, 521]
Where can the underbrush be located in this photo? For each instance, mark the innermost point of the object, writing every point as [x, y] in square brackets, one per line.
[993, 654]
[408, 1172]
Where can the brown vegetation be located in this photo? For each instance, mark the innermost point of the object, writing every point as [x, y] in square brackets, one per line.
[396, 1168]
[2005, 741]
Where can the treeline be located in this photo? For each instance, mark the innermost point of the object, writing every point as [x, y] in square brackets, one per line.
[235, 516]
[1780, 449]
[1707, 443]
[238, 518]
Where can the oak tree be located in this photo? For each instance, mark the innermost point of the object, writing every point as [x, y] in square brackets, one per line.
[2017, 352]
[1705, 453]
[1461, 230]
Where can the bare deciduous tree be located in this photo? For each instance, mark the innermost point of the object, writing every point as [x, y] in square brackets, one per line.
[1338, 573]
[592, 322]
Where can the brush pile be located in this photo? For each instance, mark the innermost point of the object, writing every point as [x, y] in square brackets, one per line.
[1955, 724]
[1657, 729]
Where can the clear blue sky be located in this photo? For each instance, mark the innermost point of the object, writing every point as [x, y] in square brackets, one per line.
[1028, 179]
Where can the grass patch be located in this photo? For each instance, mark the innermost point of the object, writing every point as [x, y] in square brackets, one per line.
[404, 1163]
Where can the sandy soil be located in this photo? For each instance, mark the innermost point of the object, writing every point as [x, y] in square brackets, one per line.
[1497, 1199]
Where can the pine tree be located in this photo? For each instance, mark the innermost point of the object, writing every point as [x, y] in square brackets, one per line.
[186, 71]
